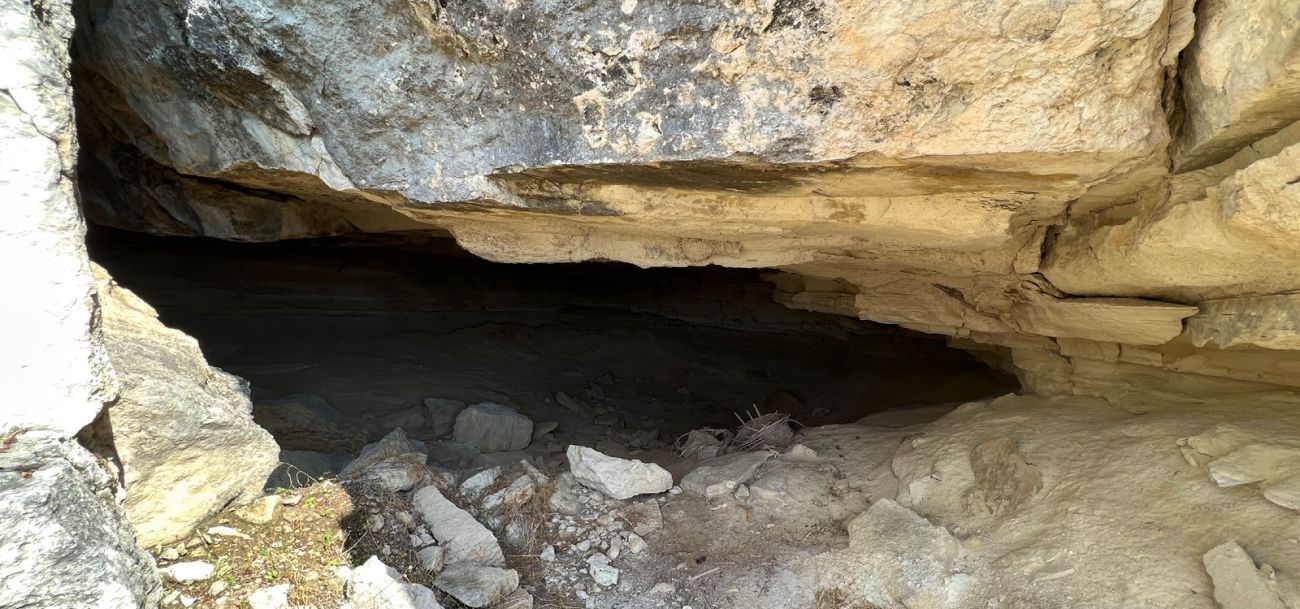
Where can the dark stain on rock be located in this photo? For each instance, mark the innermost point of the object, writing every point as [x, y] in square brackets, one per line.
[825, 96]
[792, 14]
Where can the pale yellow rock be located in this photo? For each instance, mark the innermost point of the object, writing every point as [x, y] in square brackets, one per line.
[1119, 320]
[1226, 231]
[1240, 77]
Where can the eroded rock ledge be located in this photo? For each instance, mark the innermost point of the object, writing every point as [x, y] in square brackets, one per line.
[1099, 193]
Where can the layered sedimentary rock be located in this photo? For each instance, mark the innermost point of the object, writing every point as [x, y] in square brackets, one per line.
[1061, 184]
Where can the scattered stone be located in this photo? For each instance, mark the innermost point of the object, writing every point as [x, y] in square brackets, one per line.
[432, 558]
[702, 443]
[271, 597]
[375, 523]
[722, 475]
[217, 587]
[662, 588]
[474, 485]
[394, 476]
[742, 493]
[375, 585]
[573, 404]
[601, 571]
[1238, 583]
[609, 418]
[463, 537]
[548, 553]
[616, 478]
[187, 572]
[519, 599]
[644, 517]
[493, 428]
[441, 415]
[566, 498]
[261, 511]
[513, 496]
[634, 543]
[394, 463]
[543, 428]
[453, 455]
[188, 601]
[477, 585]
[170, 554]
[224, 531]
[290, 499]
[799, 452]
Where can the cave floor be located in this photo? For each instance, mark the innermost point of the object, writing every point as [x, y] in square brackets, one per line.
[661, 375]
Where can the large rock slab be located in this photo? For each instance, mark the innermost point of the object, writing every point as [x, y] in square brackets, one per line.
[616, 478]
[182, 429]
[721, 475]
[1125, 320]
[493, 428]
[463, 537]
[65, 540]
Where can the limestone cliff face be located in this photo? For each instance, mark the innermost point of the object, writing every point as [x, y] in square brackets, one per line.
[1069, 182]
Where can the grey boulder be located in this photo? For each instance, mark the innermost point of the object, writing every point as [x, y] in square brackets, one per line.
[493, 428]
[477, 585]
[616, 478]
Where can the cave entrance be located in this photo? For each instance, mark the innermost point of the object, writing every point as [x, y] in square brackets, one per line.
[344, 339]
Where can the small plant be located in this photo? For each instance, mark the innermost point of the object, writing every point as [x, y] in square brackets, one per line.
[309, 502]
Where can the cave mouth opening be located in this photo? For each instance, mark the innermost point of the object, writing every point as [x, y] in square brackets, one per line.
[343, 339]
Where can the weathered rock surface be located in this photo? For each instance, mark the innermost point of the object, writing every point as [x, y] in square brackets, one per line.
[61, 526]
[998, 176]
[911, 561]
[616, 478]
[1238, 583]
[493, 428]
[463, 537]
[721, 475]
[181, 429]
[1240, 77]
[477, 585]
[375, 585]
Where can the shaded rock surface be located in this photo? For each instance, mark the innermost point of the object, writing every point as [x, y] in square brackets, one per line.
[182, 430]
[493, 428]
[463, 537]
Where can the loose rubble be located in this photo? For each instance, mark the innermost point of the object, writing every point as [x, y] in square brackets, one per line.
[616, 478]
